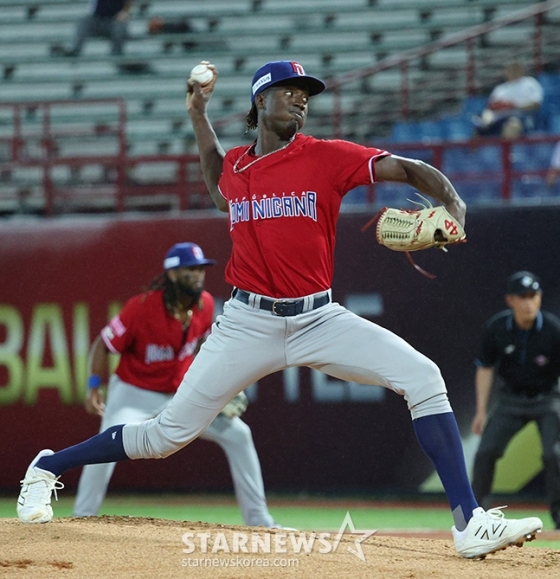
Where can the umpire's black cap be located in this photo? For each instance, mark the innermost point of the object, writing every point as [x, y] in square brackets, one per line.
[523, 282]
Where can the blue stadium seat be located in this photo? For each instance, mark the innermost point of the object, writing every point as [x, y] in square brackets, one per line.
[531, 156]
[430, 131]
[459, 160]
[472, 160]
[389, 194]
[479, 191]
[457, 128]
[554, 124]
[393, 194]
[490, 158]
[550, 107]
[356, 196]
[424, 131]
[550, 82]
[404, 133]
[529, 187]
[473, 106]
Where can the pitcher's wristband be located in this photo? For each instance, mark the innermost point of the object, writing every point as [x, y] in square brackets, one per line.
[94, 381]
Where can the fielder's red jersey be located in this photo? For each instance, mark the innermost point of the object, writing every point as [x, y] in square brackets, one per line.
[283, 209]
[155, 349]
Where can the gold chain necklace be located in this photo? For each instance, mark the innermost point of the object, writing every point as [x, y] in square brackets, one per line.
[236, 168]
[183, 316]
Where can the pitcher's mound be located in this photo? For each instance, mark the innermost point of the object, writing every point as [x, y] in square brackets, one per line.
[110, 547]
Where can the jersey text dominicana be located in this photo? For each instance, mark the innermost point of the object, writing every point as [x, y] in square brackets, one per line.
[283, 210]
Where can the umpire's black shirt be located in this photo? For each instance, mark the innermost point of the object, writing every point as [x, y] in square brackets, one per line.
[527, 360]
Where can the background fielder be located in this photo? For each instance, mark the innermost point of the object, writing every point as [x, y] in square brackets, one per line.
[157, 335]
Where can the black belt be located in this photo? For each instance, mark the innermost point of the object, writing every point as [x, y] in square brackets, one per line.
[283, 308]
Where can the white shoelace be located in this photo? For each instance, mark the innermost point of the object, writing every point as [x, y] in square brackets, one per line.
[40, 493]
[496, 512]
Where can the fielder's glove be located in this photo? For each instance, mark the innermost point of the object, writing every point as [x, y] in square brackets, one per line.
[412, 230]
[236, 406]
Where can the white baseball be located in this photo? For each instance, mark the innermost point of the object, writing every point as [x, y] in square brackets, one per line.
[202, 74]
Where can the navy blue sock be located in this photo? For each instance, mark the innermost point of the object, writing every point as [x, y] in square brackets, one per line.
[106, 446]
[439, 438]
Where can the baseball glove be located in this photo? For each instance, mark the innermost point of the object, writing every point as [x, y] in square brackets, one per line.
[236, 406]
[412, 230]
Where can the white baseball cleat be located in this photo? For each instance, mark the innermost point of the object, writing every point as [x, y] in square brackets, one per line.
[489, 531]
[34, 501]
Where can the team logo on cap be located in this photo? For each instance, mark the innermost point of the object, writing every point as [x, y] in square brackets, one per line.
[263, 80]
[197, 252]
[528, 282]
[170, 262]
[297, 68]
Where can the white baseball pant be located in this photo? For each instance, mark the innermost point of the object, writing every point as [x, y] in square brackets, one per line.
[247, 343]
[129, 404]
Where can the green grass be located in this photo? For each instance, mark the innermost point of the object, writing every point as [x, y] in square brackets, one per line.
[306, 514]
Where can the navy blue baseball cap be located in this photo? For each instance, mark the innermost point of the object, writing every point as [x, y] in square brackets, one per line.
[523, 282]
[279, 71]
[185, 255]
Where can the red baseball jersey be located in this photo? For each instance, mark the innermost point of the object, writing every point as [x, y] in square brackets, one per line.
[155, 349]
[283, 209]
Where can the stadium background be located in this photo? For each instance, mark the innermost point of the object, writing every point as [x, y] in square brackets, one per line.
[63, 276]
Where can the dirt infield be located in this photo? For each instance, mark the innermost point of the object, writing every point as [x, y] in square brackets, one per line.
[107, 547]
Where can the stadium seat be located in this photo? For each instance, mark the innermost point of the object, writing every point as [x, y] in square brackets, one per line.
[550, 82]
[531, 187]
[549, 108]
[482, 159]
[457, 129]
[478, 191]
[429, 131]
[473, 105]
[404, 133]
[329, 37]
[531, 156]
[554, 124]
[393, 194]
[356, 196]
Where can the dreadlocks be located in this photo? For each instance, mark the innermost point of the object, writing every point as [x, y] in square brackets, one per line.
[162, 282]
[251, 119]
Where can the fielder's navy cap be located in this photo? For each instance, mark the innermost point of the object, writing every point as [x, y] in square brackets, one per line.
[282, 70]
[523, 282]
[185, 255]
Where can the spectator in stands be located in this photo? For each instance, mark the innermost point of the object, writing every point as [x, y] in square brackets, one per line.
[107, 18]
[158, 25]
[554, 169]
[512, 105]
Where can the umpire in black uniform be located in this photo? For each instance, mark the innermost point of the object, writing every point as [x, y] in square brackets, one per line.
[523, 345]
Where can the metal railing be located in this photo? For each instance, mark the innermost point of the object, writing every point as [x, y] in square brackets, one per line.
[362, 104]
[511, 166]
[469, 39]
[38, 142]
[91, 136]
